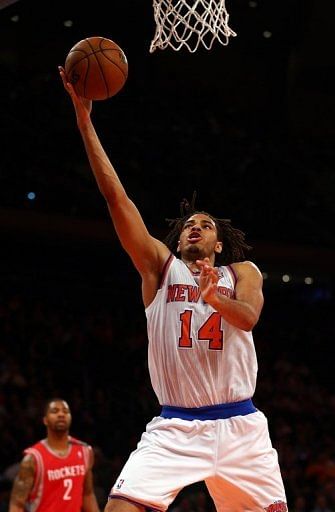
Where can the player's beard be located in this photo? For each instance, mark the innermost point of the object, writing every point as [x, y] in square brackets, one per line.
[60, 427]
[193, 252]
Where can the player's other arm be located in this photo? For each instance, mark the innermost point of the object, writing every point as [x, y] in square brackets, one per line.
[22, 485]
[90, 503]
[147, 253]
[244, 310]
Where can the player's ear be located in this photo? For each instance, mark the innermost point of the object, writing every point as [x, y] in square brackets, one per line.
[45, 421]
[178, 246]
[218, 247]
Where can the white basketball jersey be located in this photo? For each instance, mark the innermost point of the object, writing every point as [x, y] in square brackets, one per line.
[196, 358]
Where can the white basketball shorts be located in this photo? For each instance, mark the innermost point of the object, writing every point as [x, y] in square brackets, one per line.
[233, 456]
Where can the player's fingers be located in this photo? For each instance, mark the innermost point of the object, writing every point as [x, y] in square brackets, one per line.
[208, 269]
[62, 73]
[210, 277]
[66, 83]
[202, 263]
[69, 87]
[213, 288]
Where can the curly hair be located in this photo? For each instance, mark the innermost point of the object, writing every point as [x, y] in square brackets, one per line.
[233, 240]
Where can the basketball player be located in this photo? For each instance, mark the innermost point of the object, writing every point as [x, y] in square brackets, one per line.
[202, 359]
[55, 474]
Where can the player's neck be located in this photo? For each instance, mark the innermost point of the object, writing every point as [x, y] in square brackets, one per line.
[191, 265]
[58, 442]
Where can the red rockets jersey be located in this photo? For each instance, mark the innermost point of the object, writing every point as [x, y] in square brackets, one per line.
[59, 480]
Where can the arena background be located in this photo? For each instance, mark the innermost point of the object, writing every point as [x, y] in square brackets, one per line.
[251, 128]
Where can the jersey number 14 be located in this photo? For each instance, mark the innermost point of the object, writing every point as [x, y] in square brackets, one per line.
[209, 331]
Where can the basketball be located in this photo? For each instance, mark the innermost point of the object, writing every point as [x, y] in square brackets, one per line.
[97, 68]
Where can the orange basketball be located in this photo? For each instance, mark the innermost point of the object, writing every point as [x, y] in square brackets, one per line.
[97, 68]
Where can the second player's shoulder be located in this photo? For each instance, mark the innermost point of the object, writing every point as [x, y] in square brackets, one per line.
[86, 448]
[78, 442]
[27, 464]
[36, 446]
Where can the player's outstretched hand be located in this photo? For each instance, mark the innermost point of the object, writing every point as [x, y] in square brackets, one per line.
[208, 280]
[83, 106]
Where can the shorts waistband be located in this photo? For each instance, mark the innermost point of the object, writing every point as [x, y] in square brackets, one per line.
[210, 412]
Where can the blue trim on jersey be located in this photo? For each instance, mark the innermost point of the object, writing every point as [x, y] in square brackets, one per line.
[210, 412]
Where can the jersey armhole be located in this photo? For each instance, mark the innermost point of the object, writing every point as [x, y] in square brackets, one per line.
[165, 271]
[233, 276]
[39, 469]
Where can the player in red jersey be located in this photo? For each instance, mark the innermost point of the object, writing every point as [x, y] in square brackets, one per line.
[55, 474]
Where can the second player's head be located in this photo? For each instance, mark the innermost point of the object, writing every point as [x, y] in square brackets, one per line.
[57, 415]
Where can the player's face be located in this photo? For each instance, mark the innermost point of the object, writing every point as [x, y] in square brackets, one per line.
[198, 238]
[58, 416]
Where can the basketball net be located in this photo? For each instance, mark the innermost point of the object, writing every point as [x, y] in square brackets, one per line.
[190, 23]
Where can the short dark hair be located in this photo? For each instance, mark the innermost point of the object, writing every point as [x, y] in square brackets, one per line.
[49, 401]
[233, 239]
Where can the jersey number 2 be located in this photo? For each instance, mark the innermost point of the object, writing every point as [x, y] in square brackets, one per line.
[210, 331]
[68, 483]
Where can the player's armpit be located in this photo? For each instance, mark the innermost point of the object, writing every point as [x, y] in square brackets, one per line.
[23, 484]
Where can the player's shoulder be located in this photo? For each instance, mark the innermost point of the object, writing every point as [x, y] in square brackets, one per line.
[28, 463]
[33, 447]
[32, 453]
[246, 267]
[78, 442]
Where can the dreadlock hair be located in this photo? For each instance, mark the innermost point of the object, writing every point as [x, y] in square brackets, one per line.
[233, 240]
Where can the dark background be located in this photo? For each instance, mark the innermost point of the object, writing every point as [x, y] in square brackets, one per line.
[250, 127]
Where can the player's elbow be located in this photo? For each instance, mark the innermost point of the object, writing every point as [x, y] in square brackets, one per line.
[249, 322]
[16, 505]
[247, 327]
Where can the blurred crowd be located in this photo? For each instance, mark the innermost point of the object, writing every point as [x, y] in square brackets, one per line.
[90, 349]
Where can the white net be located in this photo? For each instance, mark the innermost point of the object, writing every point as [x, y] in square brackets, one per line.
[190, 23]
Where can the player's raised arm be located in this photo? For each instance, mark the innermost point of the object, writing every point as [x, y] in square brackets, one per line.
[147, 253]
[22, 485]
